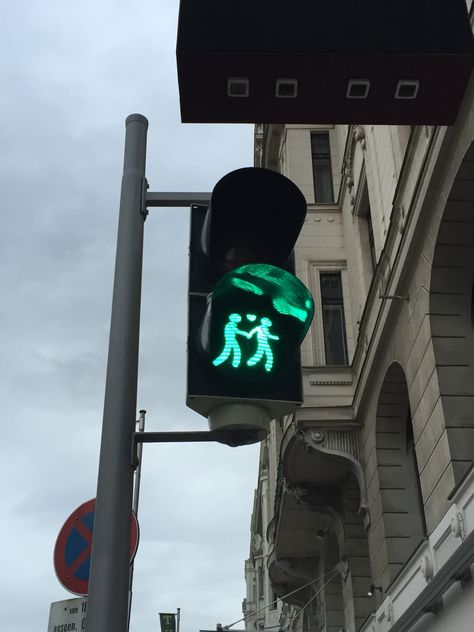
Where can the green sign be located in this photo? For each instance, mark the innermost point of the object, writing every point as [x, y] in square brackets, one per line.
[259, 315]
[168, 622]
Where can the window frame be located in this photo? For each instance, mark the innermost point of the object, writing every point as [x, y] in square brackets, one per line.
[321, 163]
[338, 302]
[315, 340]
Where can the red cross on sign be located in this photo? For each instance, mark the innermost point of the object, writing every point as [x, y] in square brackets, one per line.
[72, 552]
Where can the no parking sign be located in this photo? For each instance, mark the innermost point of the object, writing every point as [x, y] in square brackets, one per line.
[72, 552]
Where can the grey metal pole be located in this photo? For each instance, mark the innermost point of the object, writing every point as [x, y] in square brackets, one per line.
[110, 563]
[136, 497]
[138, 471]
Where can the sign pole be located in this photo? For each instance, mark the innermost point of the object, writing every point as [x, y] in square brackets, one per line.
[110, 563]
[136, 497]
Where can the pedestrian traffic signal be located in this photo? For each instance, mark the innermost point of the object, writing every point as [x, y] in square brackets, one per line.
[256, 319]
[248, 313]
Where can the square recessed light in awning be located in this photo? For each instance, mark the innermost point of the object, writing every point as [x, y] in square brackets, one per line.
[286, 88]
[358, 89]
[407, 89]
[237, 87]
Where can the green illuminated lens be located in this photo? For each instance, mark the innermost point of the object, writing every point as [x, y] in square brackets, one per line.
[232, 352]
[287, 293]
[259, 314]
[247, 286]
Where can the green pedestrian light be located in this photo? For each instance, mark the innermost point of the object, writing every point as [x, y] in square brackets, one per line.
[258, 317]
[231, 345]
[248, 314]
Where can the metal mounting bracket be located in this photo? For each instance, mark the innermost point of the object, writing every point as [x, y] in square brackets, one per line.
[232, 438]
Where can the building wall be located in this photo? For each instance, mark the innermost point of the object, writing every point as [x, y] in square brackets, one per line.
[375, 470]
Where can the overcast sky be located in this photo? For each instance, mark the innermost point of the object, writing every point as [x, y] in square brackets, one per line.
[71, 73]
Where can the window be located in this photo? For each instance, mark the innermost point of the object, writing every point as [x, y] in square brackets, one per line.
[335, 343]
[261, 584]
[367, 230]
[322, 171]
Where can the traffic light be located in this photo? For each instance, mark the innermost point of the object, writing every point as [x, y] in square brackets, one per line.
[248, 313]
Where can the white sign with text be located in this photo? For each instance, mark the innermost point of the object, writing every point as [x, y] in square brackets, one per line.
[68, 615]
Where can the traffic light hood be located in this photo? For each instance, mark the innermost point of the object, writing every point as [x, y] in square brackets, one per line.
[255, 216]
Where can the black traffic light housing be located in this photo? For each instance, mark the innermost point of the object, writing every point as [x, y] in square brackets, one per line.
[254, 217]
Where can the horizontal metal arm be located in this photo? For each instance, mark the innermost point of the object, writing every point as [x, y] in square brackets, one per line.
[173, 199]
[232, 438]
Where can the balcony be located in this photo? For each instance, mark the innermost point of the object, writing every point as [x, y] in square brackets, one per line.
[316, 465]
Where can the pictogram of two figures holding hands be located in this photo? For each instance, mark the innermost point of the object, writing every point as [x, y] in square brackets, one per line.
[232, 350]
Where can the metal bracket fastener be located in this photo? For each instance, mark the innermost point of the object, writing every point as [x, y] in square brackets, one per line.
[143, 198]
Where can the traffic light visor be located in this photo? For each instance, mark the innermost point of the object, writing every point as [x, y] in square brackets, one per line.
[255, 215]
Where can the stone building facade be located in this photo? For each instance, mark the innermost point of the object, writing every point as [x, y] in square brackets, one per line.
[364, 511]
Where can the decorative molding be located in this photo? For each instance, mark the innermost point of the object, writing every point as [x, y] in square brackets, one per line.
[426, 567]
[457, 526]
[313, 498]
[343, 444]
[283, 563]
[323, 265]
[257, 544]
[340, 442]
[402, 218]
[330, 382]
[289, 567]
[272, 137]
[356, 135]
[316, 220]
[323, 209]
[359, 136]
[343, 568]
[295, 575]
